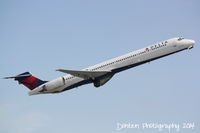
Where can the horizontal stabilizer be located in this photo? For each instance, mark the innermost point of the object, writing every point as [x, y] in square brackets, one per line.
[19, 76]
[85, 74]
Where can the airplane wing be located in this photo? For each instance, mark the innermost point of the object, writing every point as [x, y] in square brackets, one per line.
[85, 74]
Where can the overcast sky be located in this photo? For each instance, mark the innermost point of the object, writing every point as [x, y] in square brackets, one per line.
[41, 36]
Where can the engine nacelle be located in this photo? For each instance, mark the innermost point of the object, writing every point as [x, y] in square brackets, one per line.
[51, 85]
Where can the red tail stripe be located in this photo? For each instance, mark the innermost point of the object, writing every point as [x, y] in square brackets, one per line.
[30, 82]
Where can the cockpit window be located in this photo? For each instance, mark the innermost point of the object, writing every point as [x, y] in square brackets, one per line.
[180, 38]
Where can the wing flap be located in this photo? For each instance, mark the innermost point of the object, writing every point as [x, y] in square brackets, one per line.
[85, 74]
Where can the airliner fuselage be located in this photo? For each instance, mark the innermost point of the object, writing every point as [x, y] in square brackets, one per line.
[100, 73]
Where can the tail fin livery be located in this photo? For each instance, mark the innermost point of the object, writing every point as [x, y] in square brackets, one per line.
[28, 80]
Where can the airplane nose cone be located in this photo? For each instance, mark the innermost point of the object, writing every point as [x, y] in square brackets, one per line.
[191, 44]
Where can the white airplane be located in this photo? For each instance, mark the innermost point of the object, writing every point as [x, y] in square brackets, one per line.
[101, 73]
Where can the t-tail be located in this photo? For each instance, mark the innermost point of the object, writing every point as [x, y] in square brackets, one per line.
[28, 80]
